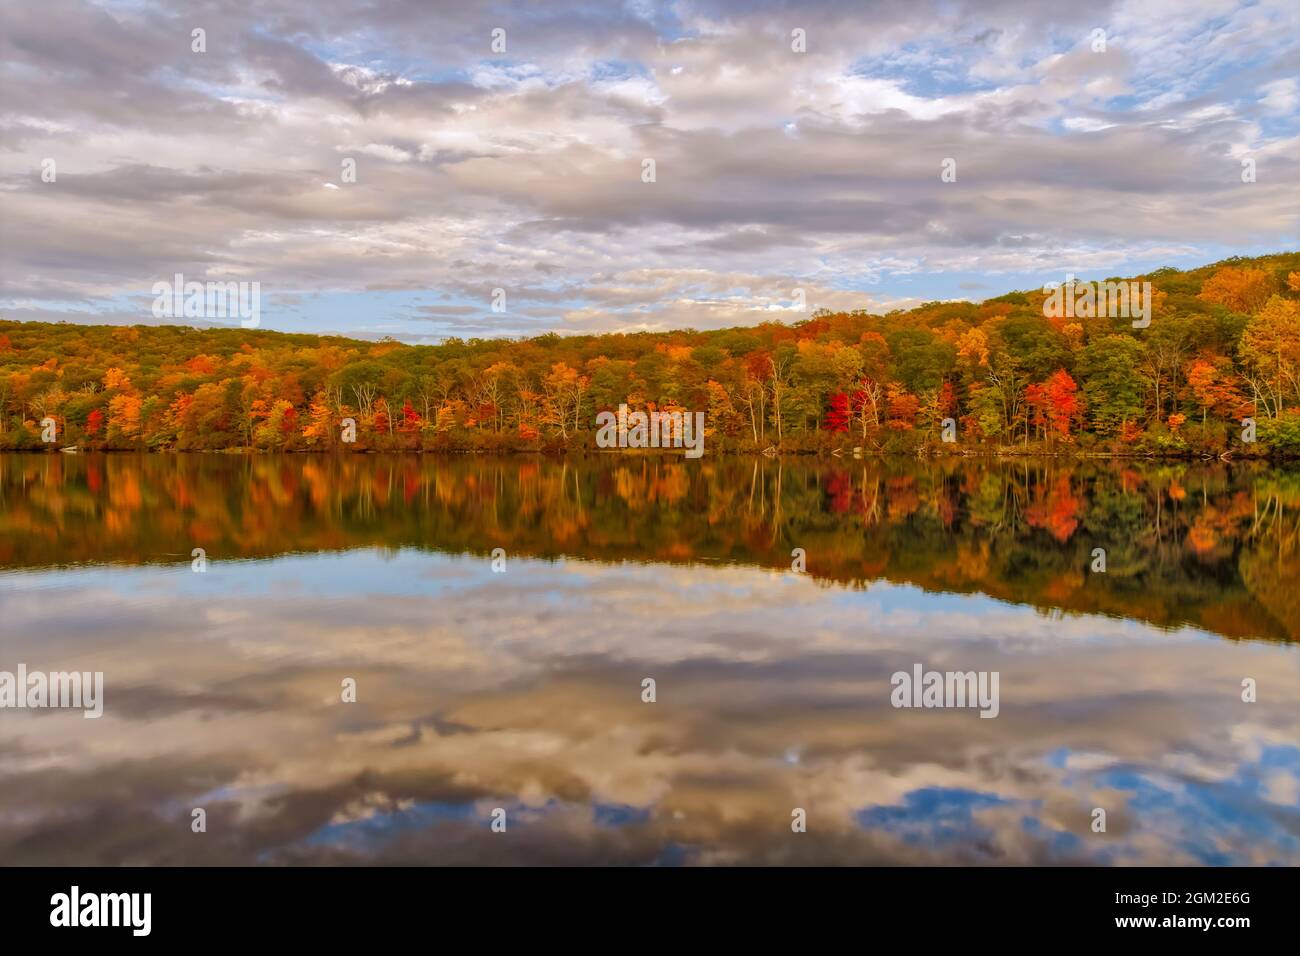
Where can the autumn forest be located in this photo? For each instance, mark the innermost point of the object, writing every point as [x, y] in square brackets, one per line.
[1223, 345]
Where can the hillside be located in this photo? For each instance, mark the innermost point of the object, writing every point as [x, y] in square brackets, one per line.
[1223, 344]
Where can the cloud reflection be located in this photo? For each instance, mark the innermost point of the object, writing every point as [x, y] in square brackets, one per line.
[522, 691]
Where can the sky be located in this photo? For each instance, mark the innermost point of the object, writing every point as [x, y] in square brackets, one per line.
[1096, 139]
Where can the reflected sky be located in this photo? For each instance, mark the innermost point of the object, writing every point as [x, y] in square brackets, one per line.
[522, 691]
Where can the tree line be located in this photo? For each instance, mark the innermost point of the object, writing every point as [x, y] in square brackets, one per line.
[1223, 345]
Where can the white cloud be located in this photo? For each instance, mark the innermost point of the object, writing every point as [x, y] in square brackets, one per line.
[773, 167]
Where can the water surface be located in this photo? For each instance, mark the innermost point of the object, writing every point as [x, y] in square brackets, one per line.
[521, 689]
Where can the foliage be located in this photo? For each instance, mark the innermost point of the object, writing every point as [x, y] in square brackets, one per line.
[1224, 344]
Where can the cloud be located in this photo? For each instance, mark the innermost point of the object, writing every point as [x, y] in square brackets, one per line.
[1281, 96]
[811, 168]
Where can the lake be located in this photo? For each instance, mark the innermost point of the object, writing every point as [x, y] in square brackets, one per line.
[499, 621]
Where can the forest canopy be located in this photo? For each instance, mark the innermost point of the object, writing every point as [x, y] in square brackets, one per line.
[1223, 345]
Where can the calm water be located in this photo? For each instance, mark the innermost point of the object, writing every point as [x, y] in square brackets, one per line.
[522, 689]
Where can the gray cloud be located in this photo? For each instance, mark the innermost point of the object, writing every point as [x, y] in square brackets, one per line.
[478, 170]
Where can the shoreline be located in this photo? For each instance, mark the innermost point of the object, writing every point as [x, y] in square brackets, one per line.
[1228, 458]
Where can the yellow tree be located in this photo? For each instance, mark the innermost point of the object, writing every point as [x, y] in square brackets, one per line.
[116, 378]
[973, 348]
[319, 427]
[1270, 347]
[124, 415]
[1241, 290]
[562, 390]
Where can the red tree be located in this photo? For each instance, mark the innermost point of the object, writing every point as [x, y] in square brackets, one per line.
[1063, 406]
[94, 421]
[947, 399]
[410, 418]
[837, 416]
